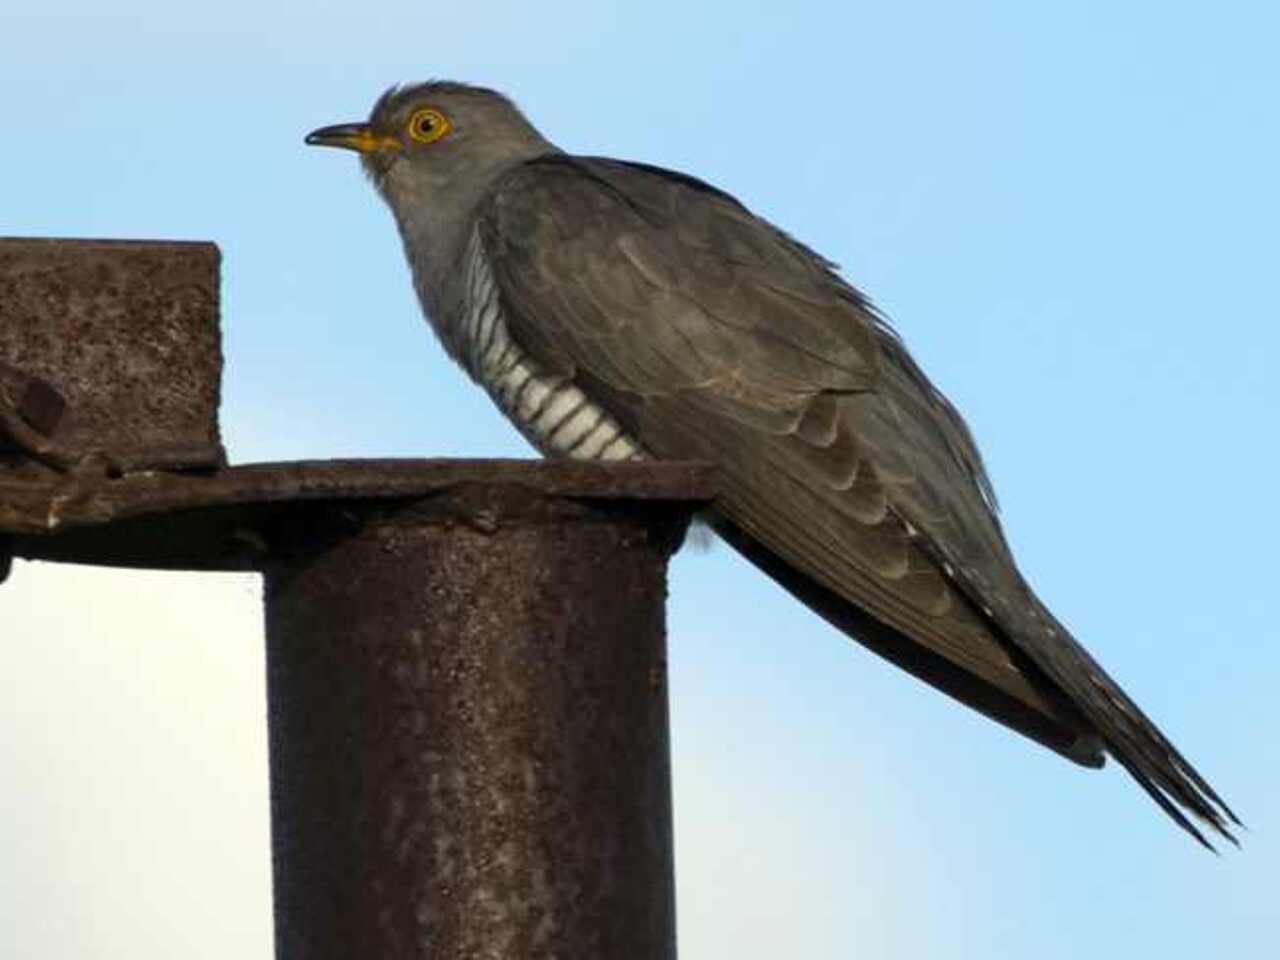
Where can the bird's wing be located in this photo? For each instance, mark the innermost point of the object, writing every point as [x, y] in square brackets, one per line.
[709, 334]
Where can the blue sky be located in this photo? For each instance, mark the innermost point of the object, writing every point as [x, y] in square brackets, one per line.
[1068, 210]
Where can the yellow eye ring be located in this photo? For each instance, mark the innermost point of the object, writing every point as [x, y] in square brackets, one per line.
[428, 125]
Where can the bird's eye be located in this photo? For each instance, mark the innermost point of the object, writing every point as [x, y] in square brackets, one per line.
[428, 125]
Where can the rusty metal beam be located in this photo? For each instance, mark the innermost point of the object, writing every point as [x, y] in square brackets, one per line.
[126, 333]
[233, 518]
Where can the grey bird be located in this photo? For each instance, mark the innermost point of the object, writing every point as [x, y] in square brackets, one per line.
[619, 311]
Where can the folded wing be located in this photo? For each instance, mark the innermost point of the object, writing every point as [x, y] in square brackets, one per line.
[845, 474]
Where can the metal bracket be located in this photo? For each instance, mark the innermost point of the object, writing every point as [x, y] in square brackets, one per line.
[466, 692]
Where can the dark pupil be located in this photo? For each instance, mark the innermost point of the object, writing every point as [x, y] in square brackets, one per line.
[425, 125]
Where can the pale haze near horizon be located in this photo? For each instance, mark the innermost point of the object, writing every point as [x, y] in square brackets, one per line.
[1070, 216]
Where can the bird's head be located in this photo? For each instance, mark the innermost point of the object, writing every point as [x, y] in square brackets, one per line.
[420, 139]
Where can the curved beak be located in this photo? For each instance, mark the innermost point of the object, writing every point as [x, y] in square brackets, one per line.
[359, 137]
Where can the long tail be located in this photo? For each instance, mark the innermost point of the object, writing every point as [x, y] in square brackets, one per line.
[1129, 736]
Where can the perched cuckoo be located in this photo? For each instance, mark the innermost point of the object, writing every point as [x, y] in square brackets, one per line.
[619, 311]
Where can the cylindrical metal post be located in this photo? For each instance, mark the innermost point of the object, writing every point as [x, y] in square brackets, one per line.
[469, 734]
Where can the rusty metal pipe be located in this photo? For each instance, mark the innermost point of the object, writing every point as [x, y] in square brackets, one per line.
[468, 728]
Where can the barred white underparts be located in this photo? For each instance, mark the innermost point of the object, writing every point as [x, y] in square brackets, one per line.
[556, 417]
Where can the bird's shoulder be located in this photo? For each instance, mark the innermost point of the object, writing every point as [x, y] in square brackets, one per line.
[665, 282]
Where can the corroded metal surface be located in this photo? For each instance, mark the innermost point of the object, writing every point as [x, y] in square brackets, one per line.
[466, 659]
[230, 519]
[127, 334]
[468, 722]
[467, 687]
[35, 401]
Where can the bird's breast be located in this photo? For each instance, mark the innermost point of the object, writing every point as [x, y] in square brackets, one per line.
[554, 414]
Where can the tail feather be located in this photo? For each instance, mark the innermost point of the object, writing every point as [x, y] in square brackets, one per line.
[1130, 736]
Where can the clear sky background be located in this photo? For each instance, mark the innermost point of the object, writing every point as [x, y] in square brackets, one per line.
[1068, 209]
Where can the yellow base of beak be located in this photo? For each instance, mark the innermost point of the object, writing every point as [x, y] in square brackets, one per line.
[359, 137]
